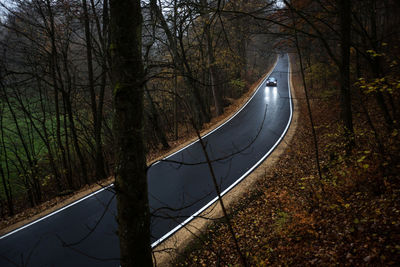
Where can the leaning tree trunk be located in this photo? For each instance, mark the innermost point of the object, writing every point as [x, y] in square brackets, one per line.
[130, 176]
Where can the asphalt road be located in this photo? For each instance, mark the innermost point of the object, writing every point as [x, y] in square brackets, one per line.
[84, 233]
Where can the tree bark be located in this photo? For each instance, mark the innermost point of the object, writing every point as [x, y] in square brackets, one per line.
[376, 64]
[155, 122]
[5, 180]
[75, 139]
[345, 95]
[130, 174]
[99, 161]
[216, 91]
[53, 61]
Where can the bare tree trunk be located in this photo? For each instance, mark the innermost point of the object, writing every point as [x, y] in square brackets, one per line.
[53, 66]
[216, 91]
[154, 120]
[376, 64]
[310, 115]
[130, 174]
[242, 257]
[5, 180]
[99, 161]
[43, 136]
[345, 95]
[102, 33]
[176, 125]
[198, 108]
[67, 149]
[7, 191]
[218, 102]
[75, 139]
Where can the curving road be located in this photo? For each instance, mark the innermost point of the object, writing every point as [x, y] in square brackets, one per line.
[83, 233]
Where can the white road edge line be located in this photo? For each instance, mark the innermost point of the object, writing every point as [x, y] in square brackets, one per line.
[154, 244]
[55, 212]
[234, 115]
[187, 220]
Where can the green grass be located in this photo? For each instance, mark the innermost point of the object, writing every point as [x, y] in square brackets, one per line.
[14, 145]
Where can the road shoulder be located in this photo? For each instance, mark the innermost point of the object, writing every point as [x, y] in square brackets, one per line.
[169, 249]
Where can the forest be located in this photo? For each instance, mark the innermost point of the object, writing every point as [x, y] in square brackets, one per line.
[69, 118]
[56, 100]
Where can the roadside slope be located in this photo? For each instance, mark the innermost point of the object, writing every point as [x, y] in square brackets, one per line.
[174, 246]
[291, 219]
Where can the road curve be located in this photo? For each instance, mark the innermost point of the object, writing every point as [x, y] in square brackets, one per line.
[180, 187]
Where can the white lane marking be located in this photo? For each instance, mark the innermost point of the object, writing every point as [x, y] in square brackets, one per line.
[55, 212]
[154, 244]
[100, 190]
[234, 115]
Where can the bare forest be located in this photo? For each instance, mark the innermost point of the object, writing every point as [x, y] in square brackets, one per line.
[94, 91]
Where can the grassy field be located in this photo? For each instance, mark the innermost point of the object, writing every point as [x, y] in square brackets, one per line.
[22, 144]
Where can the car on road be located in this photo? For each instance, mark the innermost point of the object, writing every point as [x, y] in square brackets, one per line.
[271, 81]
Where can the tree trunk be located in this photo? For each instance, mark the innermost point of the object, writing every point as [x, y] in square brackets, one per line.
[216, 91]
[130, 174]
[53, 66]
[75, 140]
[176, 123]
[99, 161]
[5, 180]
[345, 96]
[68, 165]
[154, 120]
[198, 109]
[376, 64]
[217, 95]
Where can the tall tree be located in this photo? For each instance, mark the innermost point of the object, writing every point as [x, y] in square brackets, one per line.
[131, 181]
[217, 94]
[181, 59]
[319, 30]
[96, 107]
[344, 9]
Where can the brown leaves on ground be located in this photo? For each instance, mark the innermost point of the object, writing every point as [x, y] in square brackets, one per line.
[350, 218]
